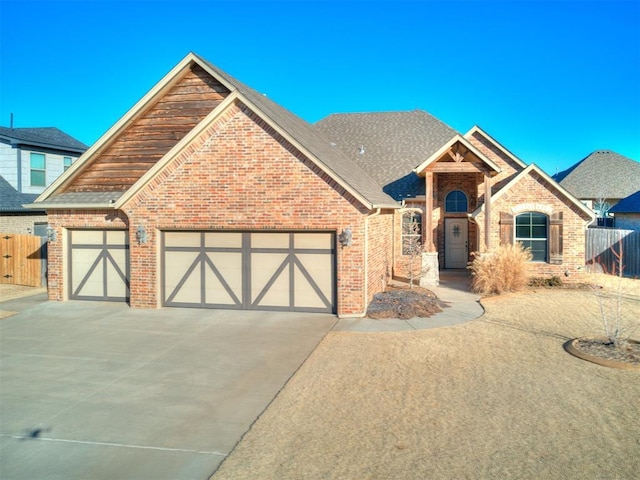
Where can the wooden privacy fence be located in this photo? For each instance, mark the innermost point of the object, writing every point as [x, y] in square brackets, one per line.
[23, 260]
[603, 244]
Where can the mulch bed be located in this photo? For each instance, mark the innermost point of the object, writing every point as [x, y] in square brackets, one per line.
[627, 353]
[404, 303]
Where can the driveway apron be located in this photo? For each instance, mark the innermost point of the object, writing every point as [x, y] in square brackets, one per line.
[101, 391]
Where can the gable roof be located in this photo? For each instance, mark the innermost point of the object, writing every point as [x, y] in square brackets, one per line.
[498, 145]
[47, 137]
[533, 168]
[443, 149]
[630, 204]
[11, 200]
[388, 145]
[601, 174]
[295, 130]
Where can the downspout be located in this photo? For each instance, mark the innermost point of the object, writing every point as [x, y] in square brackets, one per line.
[366, 258]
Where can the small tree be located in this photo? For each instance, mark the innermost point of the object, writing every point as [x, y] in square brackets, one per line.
[617, 328]
[412, 245]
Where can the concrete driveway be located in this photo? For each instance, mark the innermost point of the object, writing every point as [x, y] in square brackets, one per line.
[100, 391]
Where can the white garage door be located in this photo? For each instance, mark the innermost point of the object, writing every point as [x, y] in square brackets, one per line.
[99, 265]
[285, 271]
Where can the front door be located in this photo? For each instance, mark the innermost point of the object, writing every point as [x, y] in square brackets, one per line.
[456, 242]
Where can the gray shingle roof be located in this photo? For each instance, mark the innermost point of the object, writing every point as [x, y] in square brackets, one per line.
[602, 174]
[82, 198]
[11, 200]
[630, 204]
[313, 140]
[388, 145]
[49, 137]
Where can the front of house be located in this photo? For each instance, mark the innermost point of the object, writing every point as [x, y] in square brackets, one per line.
[207, 194]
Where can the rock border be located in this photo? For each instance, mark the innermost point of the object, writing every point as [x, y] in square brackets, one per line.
[570, 347]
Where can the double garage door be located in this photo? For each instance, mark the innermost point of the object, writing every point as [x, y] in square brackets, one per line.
[285, 271]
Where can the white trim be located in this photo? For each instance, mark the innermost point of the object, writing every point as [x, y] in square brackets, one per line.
[441, 151]
[476, 128]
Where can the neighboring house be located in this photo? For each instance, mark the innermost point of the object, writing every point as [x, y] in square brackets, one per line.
[32, 158]
[208, 194]
[601, 180]
[627, 212]
[16, 219]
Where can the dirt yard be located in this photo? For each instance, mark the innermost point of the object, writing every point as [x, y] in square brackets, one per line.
[493, 398]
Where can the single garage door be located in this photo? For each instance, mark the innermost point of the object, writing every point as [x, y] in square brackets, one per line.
[285, 271]
[99, 265]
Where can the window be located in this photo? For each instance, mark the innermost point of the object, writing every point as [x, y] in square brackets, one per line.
[66, 162]
[411, 233]
[455, 202]
[40, 229]
[38, 175]
[531, 231]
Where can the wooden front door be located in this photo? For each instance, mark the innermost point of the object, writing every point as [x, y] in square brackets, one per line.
[456, 242]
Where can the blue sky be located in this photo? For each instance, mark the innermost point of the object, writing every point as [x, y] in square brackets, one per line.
[551, 80]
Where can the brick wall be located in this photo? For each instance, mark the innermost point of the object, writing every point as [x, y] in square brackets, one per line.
[19, 224]
[534, 193]
[240, 174]
[61, 221]
[379, 251]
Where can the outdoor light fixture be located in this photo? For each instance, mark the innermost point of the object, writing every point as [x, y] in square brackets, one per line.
[29, 230]
[141, 235]
[51, 234]
[345, 237]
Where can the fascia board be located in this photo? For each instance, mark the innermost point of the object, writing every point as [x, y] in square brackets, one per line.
[476, 128]
[124, 121]
[176, 150]
[69, 206]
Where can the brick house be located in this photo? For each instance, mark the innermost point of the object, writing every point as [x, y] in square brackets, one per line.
[208, 194]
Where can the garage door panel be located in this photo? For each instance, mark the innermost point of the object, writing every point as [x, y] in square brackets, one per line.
[313, 281]
[99, 265]
[223, 279]
[251, 270]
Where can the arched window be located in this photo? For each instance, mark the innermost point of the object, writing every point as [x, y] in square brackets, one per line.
[532, 231]
[455, 202]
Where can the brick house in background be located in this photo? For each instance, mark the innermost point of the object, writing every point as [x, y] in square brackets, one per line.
[208, 194]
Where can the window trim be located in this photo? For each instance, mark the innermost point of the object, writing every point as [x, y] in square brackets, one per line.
[32, 170]
[526, 241]
[466, 199]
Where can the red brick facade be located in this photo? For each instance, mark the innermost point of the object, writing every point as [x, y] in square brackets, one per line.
[239, 175]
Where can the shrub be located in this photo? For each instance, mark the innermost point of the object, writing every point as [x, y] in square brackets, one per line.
[501, 270]
[545, 282]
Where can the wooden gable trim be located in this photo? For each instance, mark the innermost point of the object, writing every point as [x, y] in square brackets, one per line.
[446, 149]
[498, 145]
[176, 150]
[110, 135]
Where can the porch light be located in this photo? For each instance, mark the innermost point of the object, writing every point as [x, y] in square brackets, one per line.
[141, 235]
[345, 237]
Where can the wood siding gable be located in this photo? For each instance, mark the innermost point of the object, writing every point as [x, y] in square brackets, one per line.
[152, 134]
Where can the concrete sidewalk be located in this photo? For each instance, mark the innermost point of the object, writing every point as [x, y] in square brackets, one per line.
[454, 289]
